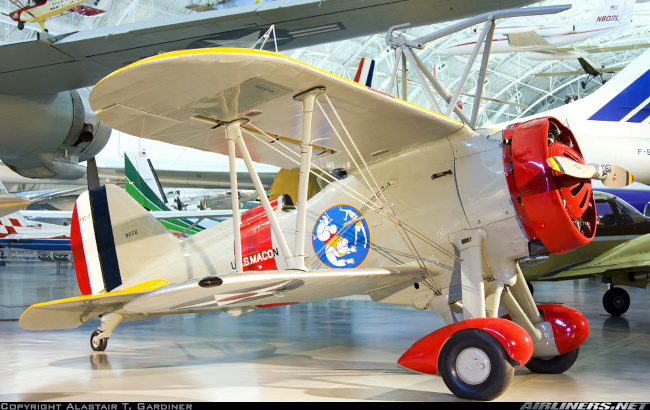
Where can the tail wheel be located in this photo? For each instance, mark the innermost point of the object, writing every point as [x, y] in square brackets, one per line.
[556, 365]
[616, 301]
[97, 344]
[474, 365]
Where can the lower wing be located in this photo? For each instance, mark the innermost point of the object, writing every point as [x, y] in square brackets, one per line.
[241, 292]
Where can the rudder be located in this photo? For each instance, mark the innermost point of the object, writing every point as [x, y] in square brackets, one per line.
[113, 239]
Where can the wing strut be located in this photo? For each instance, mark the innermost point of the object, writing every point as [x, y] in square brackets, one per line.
[233, 132]
[307, 97]
[234, 136]
[404, 48]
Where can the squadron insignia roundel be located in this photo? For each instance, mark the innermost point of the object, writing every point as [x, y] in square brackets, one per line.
[341, 238]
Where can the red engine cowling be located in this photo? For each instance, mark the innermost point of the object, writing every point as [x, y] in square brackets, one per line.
[557, 209]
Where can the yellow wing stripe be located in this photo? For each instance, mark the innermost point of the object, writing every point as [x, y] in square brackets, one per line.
[226, 50]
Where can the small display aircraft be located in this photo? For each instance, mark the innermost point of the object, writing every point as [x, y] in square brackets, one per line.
[546, 42]
[418, 210]
[37, 11]
[20, 233]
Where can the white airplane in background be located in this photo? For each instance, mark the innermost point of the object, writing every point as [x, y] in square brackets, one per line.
[544, 42]
[16, 231]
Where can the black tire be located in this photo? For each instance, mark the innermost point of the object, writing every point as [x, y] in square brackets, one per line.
[98, 346]
[21, 26]
[616, 301]
[558, 364]
[466, 345]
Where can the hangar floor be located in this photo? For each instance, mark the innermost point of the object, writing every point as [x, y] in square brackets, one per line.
[339, 350]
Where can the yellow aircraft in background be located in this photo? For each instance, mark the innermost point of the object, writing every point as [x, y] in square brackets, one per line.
[37, 11]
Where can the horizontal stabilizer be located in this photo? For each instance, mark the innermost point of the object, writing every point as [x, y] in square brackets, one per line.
[72, 312]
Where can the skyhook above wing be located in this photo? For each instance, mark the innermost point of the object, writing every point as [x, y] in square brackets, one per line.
[184, 98]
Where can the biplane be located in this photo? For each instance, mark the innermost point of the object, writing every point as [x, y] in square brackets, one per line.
[417, 209]
[37, 11]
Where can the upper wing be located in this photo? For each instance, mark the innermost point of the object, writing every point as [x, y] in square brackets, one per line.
[526, 39]
[70, 61]
[173, 214]
[184, 98]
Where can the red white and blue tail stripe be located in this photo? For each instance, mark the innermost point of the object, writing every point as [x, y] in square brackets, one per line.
[112, 237]
[365, 71]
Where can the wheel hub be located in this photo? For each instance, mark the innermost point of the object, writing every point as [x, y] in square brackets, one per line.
[473, 365]
[619, 301]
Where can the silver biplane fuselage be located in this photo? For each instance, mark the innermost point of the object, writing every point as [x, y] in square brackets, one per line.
[467, 162]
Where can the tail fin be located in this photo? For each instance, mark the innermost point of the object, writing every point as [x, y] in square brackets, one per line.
[143, 185]
[613, 11]
[112, 237]
[624, 98]
[365, 72]
[11, 222]
[142, 182]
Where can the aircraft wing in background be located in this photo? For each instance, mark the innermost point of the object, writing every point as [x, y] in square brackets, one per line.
[621, 261]
[209, 213]
[70, 61]
[10, 203]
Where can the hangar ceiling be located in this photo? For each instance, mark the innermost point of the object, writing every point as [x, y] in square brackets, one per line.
[512, 77]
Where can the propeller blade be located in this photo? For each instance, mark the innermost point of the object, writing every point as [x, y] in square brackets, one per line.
[618, 178]
[612, 176]
[566, 166]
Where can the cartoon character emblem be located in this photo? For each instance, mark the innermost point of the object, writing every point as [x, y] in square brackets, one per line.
[341, 238]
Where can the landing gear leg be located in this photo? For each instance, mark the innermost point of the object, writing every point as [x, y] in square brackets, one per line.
[99, 338]
[545, 324]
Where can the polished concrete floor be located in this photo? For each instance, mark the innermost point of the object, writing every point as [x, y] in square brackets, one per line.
[339, 350]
